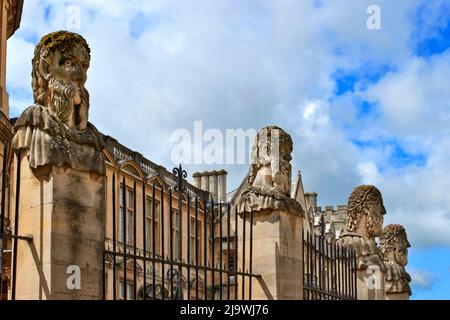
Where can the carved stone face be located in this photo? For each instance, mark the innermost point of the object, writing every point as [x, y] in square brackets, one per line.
[375, 218]
[401, 252]
[59, 75]
[68, 72]
[395, 244]
[70, 66]
[271, 156]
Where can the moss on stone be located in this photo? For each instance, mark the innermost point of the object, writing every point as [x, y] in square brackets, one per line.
[63, 41]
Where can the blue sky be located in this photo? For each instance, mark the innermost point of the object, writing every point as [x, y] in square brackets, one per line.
[362, 106]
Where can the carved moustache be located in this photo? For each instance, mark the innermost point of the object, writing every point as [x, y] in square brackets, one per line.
[69, 103]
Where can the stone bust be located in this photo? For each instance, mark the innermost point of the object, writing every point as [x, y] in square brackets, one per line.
[55, 131]
[270, 167]
[268, 184]
[394, 245]
[365, 212]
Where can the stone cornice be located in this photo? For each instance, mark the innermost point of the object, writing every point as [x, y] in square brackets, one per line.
[14, 8]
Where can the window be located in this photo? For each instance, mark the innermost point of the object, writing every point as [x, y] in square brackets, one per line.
[130, 290]
[129, 209]
[149, 226]
[193, 241]
[176, 234]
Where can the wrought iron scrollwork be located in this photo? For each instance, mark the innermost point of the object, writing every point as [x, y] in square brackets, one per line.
[181, 176]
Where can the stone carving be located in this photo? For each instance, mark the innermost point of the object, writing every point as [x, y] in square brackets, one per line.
[364, 222]
[269, 177]
[394, 245]
[56, 131]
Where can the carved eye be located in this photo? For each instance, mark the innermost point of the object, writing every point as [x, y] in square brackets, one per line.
[67, 63]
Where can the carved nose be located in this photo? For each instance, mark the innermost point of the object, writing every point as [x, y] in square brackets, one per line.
[78, 73]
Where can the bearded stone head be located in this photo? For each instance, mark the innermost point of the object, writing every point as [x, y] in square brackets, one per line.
[365, 211]
[271, 156]
[60, 64]
[395, 244]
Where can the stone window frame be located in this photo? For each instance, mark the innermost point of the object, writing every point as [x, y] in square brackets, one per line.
[192, 240]
[129, 195]
[148, 224]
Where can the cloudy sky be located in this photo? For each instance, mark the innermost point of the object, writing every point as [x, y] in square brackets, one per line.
[362, 106]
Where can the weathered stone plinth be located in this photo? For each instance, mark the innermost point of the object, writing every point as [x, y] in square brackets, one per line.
[63, 210]
[370, 284]
[276, 254]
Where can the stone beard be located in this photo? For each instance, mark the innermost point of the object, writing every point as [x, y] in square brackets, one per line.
[56, 130]
[63, 107]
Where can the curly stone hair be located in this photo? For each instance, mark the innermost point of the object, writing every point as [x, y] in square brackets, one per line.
[359, 203]
[60, 40]
[390, 232]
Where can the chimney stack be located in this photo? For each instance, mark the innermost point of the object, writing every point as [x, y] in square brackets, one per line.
[214, 182]
[311, 200]
[197, 180]
[222, 185]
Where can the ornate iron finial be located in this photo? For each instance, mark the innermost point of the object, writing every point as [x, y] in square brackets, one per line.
[181, 175]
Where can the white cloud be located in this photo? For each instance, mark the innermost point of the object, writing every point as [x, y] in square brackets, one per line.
[423, 279]
[368, 172]
[416, 99]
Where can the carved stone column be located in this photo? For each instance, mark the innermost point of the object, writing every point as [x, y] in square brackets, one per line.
[62, 179]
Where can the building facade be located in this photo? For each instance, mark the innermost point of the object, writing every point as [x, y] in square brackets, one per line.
[10, 16]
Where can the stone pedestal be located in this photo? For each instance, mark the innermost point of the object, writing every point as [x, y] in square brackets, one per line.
[277, 254]
[370, 284]
[63, 210]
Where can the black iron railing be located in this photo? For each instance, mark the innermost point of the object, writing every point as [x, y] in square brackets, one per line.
[197, 260]
[329, 269]
[9, 237]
